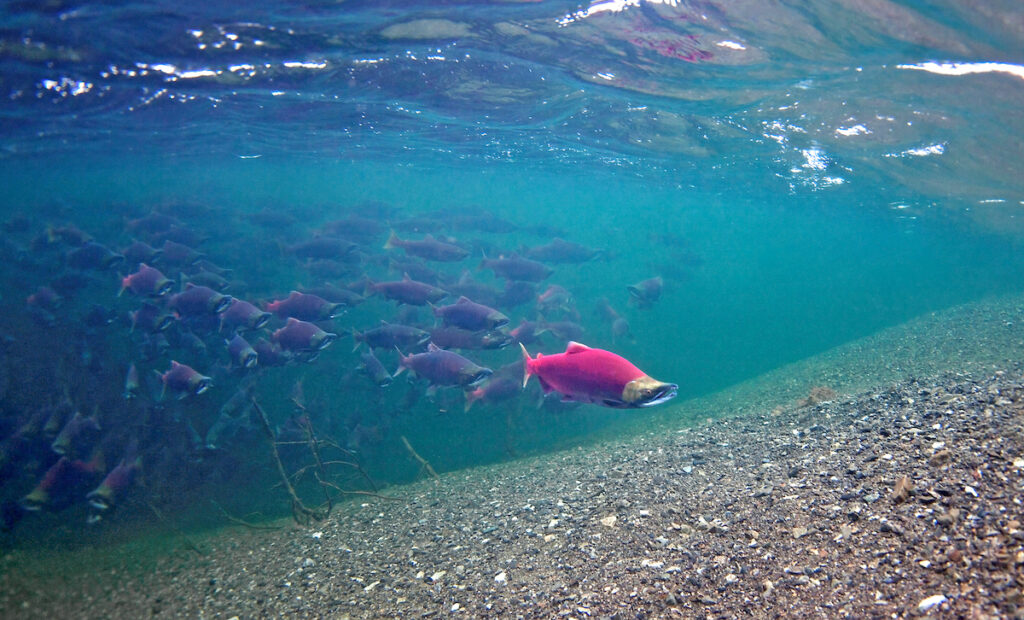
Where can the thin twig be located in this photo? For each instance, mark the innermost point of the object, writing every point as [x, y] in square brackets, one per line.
[424, 464]
[233, 519]
[191, 543]
[302, 514]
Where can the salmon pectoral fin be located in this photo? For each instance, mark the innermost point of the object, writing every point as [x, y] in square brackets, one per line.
[544, 385]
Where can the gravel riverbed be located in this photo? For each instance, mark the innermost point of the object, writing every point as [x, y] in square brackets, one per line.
[899, 501]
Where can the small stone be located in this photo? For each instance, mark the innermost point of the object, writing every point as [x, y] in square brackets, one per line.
[799, 531]
[872, 498]
[609, 521]
[308, 563]
[927, 604]
[731, 579]
[903, 489]
[940, 458]
[501, 578]
[438, 575]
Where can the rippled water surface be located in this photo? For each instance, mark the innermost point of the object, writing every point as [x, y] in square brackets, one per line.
[798, 175]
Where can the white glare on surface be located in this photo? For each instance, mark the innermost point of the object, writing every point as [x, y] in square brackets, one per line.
[965, 68]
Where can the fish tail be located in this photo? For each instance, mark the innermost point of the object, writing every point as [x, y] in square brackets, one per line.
[472, 397]
[392, 241]
[526, 364]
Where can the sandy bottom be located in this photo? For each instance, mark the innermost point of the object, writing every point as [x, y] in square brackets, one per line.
[897, 491]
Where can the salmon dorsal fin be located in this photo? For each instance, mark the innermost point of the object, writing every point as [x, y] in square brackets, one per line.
[464, 300]
[575, 347]
[431, 347]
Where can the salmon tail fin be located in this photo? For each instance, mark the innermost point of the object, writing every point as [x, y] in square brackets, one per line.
[472, 397]
[392, 241]
[401, 365]
[526, 364]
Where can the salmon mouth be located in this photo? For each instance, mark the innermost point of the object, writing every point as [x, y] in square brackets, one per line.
[646, 392]
[666, 392]
[479, 376]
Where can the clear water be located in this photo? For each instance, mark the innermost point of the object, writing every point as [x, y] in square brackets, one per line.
[799, 176]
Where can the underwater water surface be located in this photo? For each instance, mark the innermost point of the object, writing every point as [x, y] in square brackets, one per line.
[775, 179]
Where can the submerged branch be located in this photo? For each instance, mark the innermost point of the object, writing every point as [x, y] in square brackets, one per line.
[300, 512]
[424, 464]
[234, 519]
[191, 543]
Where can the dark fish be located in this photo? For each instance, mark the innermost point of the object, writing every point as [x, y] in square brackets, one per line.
[302, 337]
[470, 315]
[428, 248]
[179, 255]
[147, 281]
[92, 255]
[151, 319]
[198, 300]
[415, 269]
[561, 251]
[141, 252]
[99, 316]
[132, 386]
[322, 247]
[517, 293]
[105, 496]
[516, 267]
[58, 417]
[458, 338]
[483, 222]
[408, 291]
[555, 297]
[243, 315]
[643, 294]
[418, 224]
[373, 369]
[204, 265]
[69, 234]
[505, 384]
[564, 330]
[208, 279]
[619, 325]
[153, 223]
[45, 298]
[528, 332]
[305, 307]
[79, 429]
[334, 294]
[269, 354]
[466, 286]
[443, 368]
[67, 284]
[390, 336]
[354, 227]
[183, 380]
[241, 352]
[153, 346]
[180, 234]
[61, 483]
[232, 417]
[272, 218]
[330, 269]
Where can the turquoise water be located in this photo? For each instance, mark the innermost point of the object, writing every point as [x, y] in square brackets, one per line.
[798, 178]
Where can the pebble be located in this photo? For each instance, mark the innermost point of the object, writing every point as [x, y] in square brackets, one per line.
[501, 578]
[927, 604]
